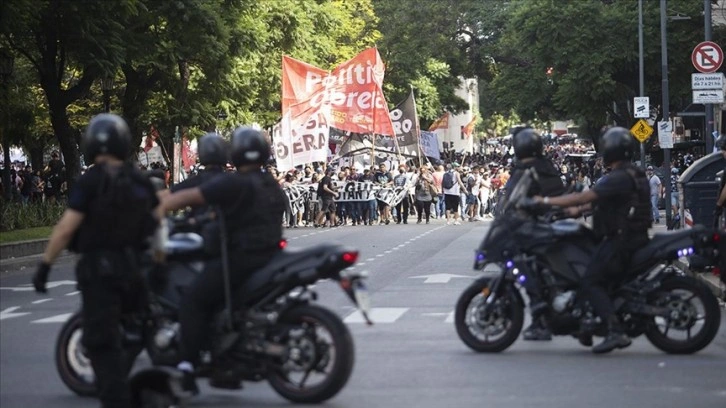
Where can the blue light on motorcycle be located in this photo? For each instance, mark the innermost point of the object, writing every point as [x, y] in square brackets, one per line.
[480, 256]
[509, 264]
[685, 252]
[521, 279]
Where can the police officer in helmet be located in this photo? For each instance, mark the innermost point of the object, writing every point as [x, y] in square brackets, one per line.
[213, 153]
[252, 204]
[109, 217]
[529, 151]
[621, 216]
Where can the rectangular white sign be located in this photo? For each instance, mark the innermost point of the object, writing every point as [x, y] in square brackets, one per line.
[707, 81]
[708, 96]
[665, 134]
[641, 107]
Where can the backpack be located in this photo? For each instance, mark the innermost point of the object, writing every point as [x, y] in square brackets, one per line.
[448, 181]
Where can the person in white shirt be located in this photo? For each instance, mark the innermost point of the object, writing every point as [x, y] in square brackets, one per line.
[452, 194]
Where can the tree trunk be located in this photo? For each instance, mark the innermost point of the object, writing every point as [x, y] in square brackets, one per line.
[36, 156]
[6, 170]
[66, 139]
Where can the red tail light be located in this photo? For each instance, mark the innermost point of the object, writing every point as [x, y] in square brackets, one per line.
[716, 271]
[282, 244]
[350, 257]
[716, 237]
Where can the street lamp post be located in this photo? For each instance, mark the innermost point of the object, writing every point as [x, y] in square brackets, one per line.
[641, 69]
[107, 87]
[708, 107]
[665, 101]
[6, 69]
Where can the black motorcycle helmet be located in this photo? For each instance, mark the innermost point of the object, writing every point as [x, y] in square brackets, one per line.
[527, 143]
[106, 134]
[616, 145]
[249, 146]
[213, 150]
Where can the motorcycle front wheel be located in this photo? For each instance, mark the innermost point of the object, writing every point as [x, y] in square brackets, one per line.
[319, 358]
[492, 329]
[694, 316]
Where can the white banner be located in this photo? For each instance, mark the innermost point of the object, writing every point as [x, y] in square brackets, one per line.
[429, 144]
[307, 144]
[665, 134]
[348, 191]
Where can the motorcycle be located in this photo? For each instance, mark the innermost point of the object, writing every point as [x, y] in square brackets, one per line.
[677, 313]
[271, 328]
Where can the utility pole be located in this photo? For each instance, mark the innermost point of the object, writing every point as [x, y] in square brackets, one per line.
[708, 107]
[641, 67]
[666, 104]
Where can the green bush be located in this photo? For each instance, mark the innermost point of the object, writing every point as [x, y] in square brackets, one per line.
[20, 216]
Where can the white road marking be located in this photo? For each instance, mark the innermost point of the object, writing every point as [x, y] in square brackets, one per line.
[379, 255]
[73, 293]
[8, 313]
[361, 263]
[370, 259]
[449, 318]
[439, 277]
[37, 302]
[388, 252]
[61, 318]
[28, 287]
[378, 315]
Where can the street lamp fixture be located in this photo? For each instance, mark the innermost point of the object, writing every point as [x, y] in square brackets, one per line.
[107, 87]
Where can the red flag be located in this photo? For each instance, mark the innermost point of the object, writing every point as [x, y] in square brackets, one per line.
[440, 123]
[188, 156]
[351, 95]
[150, 139]
[469, 128]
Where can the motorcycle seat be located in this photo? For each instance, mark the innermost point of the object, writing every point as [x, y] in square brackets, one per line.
[280, 264]
[183, 243]
[660, 242]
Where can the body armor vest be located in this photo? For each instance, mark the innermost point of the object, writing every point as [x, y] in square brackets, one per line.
[629, 214]
[257, 225]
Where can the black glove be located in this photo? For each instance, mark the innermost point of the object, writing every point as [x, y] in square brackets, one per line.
[41, 277]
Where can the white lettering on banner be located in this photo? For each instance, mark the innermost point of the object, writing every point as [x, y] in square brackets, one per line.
[347, 192]
[355, 74]
[400, 126]
[306, 144]
[349, 99]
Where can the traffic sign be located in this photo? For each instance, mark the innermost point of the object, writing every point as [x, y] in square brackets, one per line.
[707, 96]
[641, 107]
[707, 81]
[707, 57]
[641, 130]
[665, 134]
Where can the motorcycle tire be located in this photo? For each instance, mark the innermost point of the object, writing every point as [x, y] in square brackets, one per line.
[70, 357]
[711, 320]
[514, 305]
[342, 366]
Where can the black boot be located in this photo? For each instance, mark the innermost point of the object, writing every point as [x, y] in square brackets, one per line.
[616, 338]
[538, 330]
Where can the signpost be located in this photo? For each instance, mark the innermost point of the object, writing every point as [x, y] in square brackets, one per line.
[665, 134]
[641, 107]
[708, 86]
[641, 130]
[708, 96]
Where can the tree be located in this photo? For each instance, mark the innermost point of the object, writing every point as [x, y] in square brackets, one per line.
[69, 44]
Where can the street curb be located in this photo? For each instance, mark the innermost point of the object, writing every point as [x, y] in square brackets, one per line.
[710, 280]
[23, 248]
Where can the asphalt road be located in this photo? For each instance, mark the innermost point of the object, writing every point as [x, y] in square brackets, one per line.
[411, 357]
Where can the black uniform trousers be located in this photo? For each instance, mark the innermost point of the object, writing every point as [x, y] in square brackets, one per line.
[206, 295]
[402, 208]
[608, 267]
[112, 291]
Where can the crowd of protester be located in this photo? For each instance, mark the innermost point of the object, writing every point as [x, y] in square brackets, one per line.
[29, 185]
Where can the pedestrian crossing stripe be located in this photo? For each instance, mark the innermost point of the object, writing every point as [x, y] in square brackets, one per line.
[378, 315]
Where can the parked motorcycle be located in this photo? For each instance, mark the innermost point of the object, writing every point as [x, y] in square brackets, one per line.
[273, 330]
[677, 313]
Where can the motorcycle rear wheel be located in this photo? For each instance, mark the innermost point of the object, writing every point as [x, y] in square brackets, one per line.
[505, 319]
[308, 353]
[684, 316]
[72, 361]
